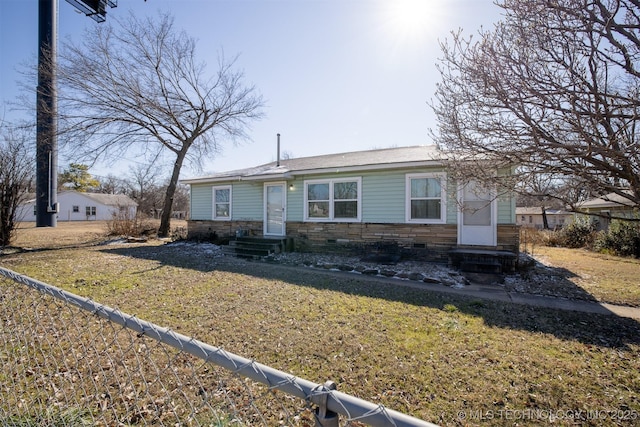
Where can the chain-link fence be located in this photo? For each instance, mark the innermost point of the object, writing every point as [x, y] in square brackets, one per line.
[67, 360]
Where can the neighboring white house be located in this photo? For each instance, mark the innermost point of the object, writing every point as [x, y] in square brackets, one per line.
[608, 207]
[76, 206]
[531, 217]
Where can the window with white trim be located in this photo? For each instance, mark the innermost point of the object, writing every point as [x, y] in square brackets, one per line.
[426, 202]
[333, 200]
[222, 202]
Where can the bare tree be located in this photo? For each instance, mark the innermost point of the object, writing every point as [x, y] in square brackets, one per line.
[182, 199]
[554, 89]
[139, 87]
[17, 175]
[144, 187]
[112, 184]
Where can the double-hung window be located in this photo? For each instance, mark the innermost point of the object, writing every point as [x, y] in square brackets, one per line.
[333, 200]
[426, 202]
[222, 202]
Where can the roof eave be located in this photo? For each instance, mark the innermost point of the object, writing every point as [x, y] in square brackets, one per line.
[267, 177]
[209, 179]
[313, 171]
[363, 168]
[258, 177]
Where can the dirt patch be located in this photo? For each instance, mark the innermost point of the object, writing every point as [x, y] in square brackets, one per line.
[68, 234]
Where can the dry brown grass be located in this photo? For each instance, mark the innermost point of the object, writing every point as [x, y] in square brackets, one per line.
[64, 234]
[448, 359]
[602, 277]
[607, 278]
[70, 233]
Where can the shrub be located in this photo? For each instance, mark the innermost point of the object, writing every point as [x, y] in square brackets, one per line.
[532, 237]
[622, 239]
[578, 234]
[124, 224]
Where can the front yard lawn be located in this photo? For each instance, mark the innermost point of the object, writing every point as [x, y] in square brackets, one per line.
[448, 359]
[607, 278]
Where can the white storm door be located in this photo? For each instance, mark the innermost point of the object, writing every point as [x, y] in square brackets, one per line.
[275, 200]
[476, 216]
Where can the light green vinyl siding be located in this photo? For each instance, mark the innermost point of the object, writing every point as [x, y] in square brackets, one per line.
[247, 201]
[452, 201]
[383, 197]
[201, 201]
[295, 200]
[506, 203]
[506, 209]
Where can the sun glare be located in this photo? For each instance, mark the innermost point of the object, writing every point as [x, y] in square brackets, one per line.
[413, 18]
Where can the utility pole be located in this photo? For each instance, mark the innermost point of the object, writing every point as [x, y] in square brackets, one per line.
[47, 103]
[47, 116]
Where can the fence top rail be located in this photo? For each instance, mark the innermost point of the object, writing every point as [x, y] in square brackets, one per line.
[321, 395]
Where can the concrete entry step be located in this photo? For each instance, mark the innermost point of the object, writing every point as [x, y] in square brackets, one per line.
[258, 247]
[482, 260]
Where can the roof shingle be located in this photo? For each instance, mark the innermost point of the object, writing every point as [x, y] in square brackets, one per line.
[386, 158]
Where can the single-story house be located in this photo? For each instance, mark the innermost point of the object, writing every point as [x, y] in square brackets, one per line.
[531, 217]
[608, 207]
[399, 196]
[77, 206]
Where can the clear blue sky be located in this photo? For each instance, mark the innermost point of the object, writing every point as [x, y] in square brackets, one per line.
[337, 75]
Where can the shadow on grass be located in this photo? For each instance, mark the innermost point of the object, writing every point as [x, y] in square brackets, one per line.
[607, 330]
[548, 281]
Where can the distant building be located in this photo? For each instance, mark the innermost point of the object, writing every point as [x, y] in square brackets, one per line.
[531, 217]
[608, 207]
[76, 206]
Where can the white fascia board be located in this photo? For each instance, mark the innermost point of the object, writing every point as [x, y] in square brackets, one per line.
[207, 180]
[386, 166]
[293, 173]
[267, 177]
[263, 177]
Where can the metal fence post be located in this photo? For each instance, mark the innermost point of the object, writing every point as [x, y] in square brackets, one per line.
[325, 417]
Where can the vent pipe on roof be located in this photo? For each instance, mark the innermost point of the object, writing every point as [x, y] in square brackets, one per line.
[278, 162]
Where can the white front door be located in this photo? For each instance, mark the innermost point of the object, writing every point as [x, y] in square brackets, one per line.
[275, 201]
[476, 215]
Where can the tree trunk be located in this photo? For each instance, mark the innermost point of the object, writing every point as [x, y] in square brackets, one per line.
[165, 220]
[545, 220]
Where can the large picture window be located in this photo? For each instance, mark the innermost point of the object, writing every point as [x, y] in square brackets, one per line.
[426, 198]
[222, 202]
[333, 200]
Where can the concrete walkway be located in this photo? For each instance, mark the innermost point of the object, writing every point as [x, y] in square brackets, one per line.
[498, 293]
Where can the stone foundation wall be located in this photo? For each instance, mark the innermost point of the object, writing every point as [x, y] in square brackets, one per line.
[416, 241]
[408, 240]
[509, 238]
[221, 231]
